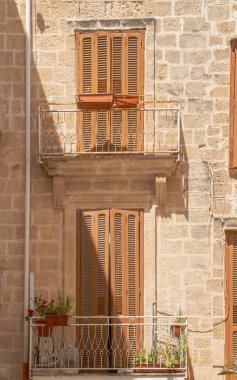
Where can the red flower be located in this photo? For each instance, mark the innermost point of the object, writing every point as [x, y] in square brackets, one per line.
[44, 302]
[30, 313]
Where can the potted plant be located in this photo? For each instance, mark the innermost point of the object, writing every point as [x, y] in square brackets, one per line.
[168, 358]
[63, 307]
[53, 313]
[147, 362]
[43, 308]
[178, 326]
[174, 356]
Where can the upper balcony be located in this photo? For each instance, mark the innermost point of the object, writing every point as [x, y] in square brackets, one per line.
[108, 141]
[153, 130]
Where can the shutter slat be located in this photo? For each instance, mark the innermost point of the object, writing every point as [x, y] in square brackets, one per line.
[132, 258]
[117, 64]
[234, 344]
[87, 65]
[132, 65]
[87, 260]
[103, 53]
[118, 263]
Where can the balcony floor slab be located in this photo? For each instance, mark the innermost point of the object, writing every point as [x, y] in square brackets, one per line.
[108, 377]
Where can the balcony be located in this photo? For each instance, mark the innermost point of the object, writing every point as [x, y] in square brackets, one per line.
[119, 131]
[87, 146]
[110, 345]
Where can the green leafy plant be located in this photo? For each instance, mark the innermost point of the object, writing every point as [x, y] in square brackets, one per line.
[174, 355]
[169, 355]
[63, 305]
[141, 358]
[44, 307]
[152, 357]
[180, 318]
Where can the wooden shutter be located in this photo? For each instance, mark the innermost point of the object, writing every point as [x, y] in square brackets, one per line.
[233, 107]
[125, 259]
[93, 62]
[135, 83]
[92, 285]
[125, 280]
[127, 77]
[94, 251]
[231, 291]
[93, 76]
[110, 62]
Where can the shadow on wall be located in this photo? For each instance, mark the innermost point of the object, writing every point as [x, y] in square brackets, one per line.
[177, 186]
[12, 180]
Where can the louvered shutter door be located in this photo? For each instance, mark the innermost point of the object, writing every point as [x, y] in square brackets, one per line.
[94, 77]
[135, 58]
[93, 285]
[125, 279]
[125, 262]
[231, 273]
[118, 80]
[86, 84]
[125, 282]
[127, 78]
[102, 46]
[233, 107]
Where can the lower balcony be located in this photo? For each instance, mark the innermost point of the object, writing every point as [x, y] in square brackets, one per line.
[110, 346]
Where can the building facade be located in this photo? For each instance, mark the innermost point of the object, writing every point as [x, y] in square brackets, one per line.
[133, 168]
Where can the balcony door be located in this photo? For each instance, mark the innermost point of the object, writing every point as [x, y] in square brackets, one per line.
[109, 283]
[110, 62]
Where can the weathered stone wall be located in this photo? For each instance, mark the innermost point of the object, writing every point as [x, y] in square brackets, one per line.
[191, 65]
[12, 165]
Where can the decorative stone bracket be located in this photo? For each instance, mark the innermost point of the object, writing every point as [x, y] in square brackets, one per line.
[160, 191]
[58, 191]
[110, 176]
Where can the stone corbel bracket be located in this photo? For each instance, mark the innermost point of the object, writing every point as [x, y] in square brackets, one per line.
[160, 191]
[58, 191]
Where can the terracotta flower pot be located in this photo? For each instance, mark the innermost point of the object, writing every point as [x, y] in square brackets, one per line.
[175, 331]
[61, 320]
[56, 320]
[50, 319]
[95, 101]
[126, 101]
[43, 329]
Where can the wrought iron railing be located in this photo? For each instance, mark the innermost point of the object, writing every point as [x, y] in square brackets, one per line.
[117, 343]
[64, 131]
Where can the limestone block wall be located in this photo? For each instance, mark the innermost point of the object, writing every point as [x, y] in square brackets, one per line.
[12, 162]
[192, 54]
